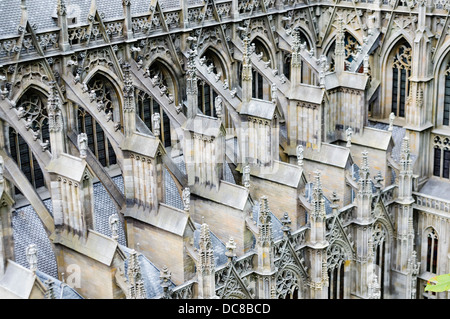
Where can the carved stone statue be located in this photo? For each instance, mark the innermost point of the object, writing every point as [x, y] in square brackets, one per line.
[100, 105]
[349, 133]
[85, 87]
[299, 155]
[246, 176]
[82, 144]
[186, 198]
[391, 121]
[156, 121]
[92, 96]
[114, 226]
[273, 91]
[218, 104]
[31, 253]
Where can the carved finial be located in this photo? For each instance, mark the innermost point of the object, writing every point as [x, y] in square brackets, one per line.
[31, 253]
[114, 226]
[61, 8]
[230, 246]
[286, 221]
[165, 277]
[378, 179]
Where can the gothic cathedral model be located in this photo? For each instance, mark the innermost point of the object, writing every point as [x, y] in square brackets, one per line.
[195, 149]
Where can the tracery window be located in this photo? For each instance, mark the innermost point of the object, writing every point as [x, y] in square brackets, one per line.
[432, 252]
[146, 107]
[32, 108]
[441, 158]
[336, 275]
[401, 71]
[106, 94]
[287, 285]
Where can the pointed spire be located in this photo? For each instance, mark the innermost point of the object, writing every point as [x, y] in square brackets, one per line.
[61, 8]
[247, 72]
[318, 201]
[364, 180]
[54, 109]
[206, 253]
[136, 284]
[265, 236]
[191, 80]
[405, 157]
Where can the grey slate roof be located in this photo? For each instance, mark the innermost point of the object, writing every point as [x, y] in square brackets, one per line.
[398, 133]
[436, 188]
[28, 229]
[43, 12]
[60, 289]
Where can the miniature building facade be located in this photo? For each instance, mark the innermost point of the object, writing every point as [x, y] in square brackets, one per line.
[224, 149]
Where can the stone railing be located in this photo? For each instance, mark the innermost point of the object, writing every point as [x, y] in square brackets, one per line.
[427, 202]
[184, 291]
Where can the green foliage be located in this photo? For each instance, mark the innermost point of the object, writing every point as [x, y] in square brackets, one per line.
[438, 283]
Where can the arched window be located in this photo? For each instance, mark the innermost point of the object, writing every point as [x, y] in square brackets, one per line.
[432, 252]
[146, 107]
[260, 87]
[106, 93]
[32, 108]
[441, 157]
[401, 71]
